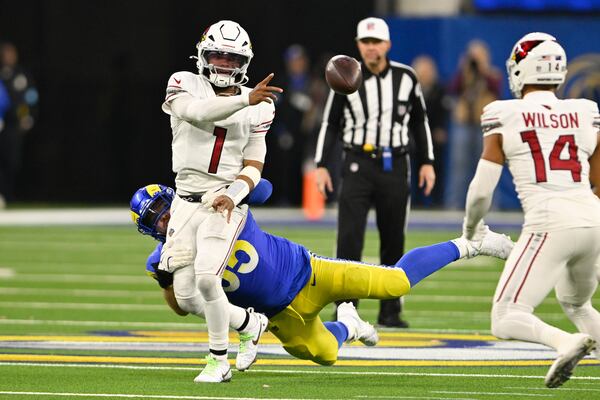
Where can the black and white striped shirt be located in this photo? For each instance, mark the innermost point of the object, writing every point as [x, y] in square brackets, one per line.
[381, 113]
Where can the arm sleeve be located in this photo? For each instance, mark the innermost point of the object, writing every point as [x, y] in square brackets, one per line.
[419, 127]
[479, 196]
[181, 104]
[330, 127]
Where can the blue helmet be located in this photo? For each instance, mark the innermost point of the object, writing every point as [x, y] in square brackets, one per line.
[148, 205]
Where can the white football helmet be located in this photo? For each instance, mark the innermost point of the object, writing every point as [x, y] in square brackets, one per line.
[229, 41]
[536, 58]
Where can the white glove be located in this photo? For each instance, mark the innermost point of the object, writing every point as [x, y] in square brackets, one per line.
[174, 255]
[209, 197]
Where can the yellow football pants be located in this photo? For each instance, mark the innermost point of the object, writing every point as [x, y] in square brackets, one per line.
[299, 327]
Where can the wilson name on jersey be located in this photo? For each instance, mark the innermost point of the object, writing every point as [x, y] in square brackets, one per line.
[210, 154]
[547, 143]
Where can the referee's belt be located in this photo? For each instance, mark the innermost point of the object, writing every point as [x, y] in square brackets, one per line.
[374, 152]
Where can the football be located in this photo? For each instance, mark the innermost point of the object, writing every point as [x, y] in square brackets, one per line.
[343, 74]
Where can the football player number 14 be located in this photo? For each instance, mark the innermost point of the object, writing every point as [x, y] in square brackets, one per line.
[555, 162]
[220, 133]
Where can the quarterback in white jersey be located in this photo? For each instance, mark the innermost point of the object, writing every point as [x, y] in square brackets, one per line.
[551, 148]
[219, 148]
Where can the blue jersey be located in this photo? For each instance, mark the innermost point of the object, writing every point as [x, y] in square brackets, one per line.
[264, 271]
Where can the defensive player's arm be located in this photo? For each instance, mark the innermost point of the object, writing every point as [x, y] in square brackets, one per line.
[595, 167]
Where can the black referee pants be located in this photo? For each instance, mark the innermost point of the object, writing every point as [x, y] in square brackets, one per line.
[364, 184]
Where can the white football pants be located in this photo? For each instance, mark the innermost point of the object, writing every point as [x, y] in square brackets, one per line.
[564, 260]
[211, 238]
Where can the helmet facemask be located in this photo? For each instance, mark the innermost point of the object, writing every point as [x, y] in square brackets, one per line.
[223, 69]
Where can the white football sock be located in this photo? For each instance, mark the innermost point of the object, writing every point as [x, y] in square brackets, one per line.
[585, 317]
[216, 310]
[237, 317]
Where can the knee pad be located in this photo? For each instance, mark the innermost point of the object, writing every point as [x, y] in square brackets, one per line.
[379, 282]
[193, 305]
[501, 319]
[302, 352]
[210, 286]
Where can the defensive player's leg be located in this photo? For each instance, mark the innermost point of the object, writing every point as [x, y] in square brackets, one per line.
[214, 239]
[530, 273]
[576, 287]
[307, 339]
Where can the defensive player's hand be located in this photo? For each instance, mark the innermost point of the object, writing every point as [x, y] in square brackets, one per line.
[323, 180]
[426, 178]
[224, 204]
[262, 92]
[175, 255]
[210, 196]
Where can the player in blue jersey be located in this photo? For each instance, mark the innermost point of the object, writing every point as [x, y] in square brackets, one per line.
[290, 285]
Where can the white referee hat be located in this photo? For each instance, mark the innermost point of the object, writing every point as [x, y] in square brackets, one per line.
[372, 28]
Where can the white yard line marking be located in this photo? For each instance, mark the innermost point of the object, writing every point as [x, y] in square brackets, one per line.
[153, 325]
[312, 371]
[79, 292]
[6, 272]
[415, 397]
[562, 389]
[80, 278]
[81, 306]
[492, 393]
[138, 396]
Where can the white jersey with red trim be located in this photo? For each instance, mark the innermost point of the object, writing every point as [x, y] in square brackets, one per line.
[547, 143]
[210, 154]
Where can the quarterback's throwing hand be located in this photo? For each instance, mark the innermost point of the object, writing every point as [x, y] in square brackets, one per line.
[174, 255]
[262, 92]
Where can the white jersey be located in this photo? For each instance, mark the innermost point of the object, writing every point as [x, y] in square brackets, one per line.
[547, 143]
[210, 154]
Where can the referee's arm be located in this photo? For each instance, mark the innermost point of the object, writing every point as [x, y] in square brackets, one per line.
[328, 134]
[419, 126]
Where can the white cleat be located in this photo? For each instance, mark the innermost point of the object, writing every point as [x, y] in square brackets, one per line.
[493, 244]
[565, 363]
[357, 328]
[248, 349]
[215, 371]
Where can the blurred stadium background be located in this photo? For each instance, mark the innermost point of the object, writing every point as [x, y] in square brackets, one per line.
[93, 133]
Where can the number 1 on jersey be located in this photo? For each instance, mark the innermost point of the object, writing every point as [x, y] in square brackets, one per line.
[556, 163]
[220, 133]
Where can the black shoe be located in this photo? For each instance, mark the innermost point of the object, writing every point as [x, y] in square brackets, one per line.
[392, 322]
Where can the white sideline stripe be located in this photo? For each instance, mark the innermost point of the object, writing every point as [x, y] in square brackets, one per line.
[414, 397]
[313, 371]
[174, 325]
[493, 393]
[139, 396]
[81, 306]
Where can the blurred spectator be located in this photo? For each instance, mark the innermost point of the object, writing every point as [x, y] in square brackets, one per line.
[438, 105]
[293, 128]
[476, 84]
[18, 119]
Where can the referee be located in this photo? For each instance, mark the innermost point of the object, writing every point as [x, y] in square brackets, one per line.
[378, 125]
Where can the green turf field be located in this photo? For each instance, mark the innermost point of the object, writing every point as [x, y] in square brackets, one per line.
[75, 302]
